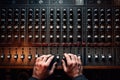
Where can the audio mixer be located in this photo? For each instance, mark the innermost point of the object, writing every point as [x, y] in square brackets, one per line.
[87, 28]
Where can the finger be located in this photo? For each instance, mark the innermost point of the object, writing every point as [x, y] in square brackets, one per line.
[67, 58]
[79, 61]
[64, 66]
[72, 57]
[45, 57]
[76, 58]
[53, 68]
[49, 60]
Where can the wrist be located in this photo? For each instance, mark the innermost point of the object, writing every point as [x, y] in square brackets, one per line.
[36, 77]
[33, 78]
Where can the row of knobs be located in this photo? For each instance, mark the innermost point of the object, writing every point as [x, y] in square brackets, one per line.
[98, 58]
[37, 36]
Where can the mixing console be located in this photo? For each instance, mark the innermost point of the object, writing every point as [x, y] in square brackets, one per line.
[89, 29]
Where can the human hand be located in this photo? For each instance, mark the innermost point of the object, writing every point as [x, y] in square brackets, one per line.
[73, 67]
[40, 70]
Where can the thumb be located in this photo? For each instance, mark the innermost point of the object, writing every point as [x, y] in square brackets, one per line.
[64, 66]
[53, 68]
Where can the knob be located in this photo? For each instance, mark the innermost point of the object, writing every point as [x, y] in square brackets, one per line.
[43, 36]
[30, 36]
[71, 27]
[22, 56]
[2, 36]
[30, 27]
[22, 36]
[51, 36]
[2, 56]
[57, 36]
[64, 27]
[78, 27]
[51, 27]
[96, 57]
[36, 27]
[96, 27]
[43, 27]
[29, 56]
[57, 27]
[89, 58]
[36, 55]
[9, 36]
[103, 56]
[64, 36]
[36, 36]
[117, 27]
[22, 27]
[70, 36]
[16, 56]
[9, 56]
[110, 57]
[16, 36]
[15, 27]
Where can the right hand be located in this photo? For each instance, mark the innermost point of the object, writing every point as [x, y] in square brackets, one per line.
[73, 67]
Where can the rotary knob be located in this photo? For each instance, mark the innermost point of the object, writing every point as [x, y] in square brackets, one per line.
[70, 36]
[36, 36]
[51, 27]
[89, 57]
[43, 27]
[30, 27]
[64, 36]
[30, 36]
[2, 36]
[2, 56]
[64, 27]
[57, 27]
[15, 36]
[57, 36]
[22, 27]
[36, 55]
[51, 36]
[9, 56]
[16, 56]
[43, 36]
[22, 56]
[9, 36]
[29, 56]
[22, 36]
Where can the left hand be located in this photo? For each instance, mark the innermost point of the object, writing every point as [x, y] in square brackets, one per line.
[40, 70]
